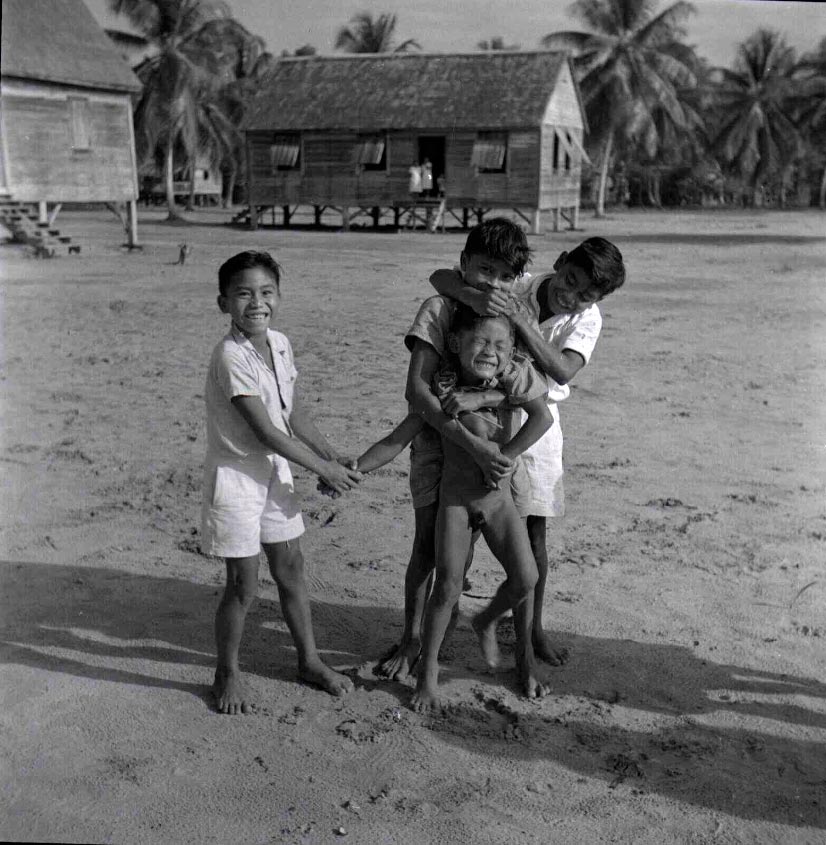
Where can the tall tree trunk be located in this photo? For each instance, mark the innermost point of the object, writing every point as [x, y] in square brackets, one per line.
[229, 182]
[821, 198]
[190, 202]
[170, 184]
[603, 175]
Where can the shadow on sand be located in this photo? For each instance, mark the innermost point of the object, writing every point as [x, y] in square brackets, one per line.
[699, 752]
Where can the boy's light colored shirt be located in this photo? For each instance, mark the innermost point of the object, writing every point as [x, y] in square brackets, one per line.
[237, 369]
[578, 332]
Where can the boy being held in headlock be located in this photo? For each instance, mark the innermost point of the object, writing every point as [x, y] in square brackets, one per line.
[481, 358]
[495, 255]
[557, 322]
[256, 422]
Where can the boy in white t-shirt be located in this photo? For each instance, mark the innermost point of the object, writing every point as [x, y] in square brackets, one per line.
[558, 322]
[256, 423]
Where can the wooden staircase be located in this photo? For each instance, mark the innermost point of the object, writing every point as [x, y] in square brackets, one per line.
[44, 240]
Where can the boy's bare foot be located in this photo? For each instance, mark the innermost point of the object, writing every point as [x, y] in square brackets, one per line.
[229, 693]
[529, 681]
[398, 663]
[320, 675]
[425, 699]
[487, 642]
[545, 650]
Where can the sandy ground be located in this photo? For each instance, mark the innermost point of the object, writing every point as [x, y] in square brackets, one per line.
[689, 581]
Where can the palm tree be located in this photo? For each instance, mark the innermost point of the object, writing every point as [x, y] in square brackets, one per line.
[755, 103]
[368, 35]
[497, 42]
[194, 44]
[810, 76]
[630, 73]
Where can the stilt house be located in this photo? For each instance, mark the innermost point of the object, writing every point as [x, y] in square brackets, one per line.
[66, 131]
[503, 129]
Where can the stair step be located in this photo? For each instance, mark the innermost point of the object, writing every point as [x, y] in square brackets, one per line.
[64, 239]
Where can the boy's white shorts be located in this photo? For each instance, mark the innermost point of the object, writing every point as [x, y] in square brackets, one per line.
[246, 503]
[543, 465]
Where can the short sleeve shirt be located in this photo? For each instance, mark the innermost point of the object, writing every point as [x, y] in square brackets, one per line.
[237, 369]
[576, 331]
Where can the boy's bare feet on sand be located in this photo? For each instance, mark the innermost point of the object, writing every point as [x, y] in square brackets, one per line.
[529, 682]
[320, 675]
[400, 661]
[229, 693]
[545, 650]
[426, 698]
[487, 642]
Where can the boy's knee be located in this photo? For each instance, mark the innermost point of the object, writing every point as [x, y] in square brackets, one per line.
[285, 560]
[448, 589]
[524, 582]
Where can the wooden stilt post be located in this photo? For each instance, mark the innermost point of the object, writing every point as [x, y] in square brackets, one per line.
[536, 228]
[42, 212]
[132, 228]
[317, 213]
[556, 219]
[286, 210]
[397, 215]
[345, 218]
[575, 216]
[464, 218]
[376, 216]
[253, 216]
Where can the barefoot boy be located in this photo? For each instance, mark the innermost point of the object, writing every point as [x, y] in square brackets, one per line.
[482, 358]
[496, 253]
[558, 322]
[256, 422]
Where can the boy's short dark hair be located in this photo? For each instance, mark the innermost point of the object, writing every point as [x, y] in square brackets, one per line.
[247, 261]
[602, 261]
[464, 318]
[502, 239]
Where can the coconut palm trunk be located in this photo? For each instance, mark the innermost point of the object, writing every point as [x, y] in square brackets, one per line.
[170, 182]
[603, 174]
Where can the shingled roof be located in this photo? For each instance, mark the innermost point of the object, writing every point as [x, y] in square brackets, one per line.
[61, 42]
[494, 90]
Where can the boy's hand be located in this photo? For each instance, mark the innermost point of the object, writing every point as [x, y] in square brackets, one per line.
[457, 402]
[339, 478]
[490, 302]
[495, 466]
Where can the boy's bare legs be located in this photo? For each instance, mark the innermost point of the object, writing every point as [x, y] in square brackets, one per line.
[453, 537]
[543, 647]
[505, 535]
[287, 568]
[399, 662]
[239, 594]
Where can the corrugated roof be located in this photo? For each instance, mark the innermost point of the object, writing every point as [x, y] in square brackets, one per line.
[61, 42]
[402, 91]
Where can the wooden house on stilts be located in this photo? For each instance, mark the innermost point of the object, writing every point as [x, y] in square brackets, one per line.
[503, 129]
[66, 131]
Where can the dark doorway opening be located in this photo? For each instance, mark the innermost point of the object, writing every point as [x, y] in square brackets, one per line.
[432, 147]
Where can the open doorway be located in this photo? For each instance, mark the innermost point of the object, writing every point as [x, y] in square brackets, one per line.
[432, 148]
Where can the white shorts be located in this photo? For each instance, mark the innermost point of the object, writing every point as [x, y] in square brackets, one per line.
[246, 503]
[543, 463]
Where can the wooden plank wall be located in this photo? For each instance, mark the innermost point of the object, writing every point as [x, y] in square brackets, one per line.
[329, 176]
[41, 164]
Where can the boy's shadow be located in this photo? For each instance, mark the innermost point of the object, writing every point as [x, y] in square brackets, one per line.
[47, 609]
[732, 739]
